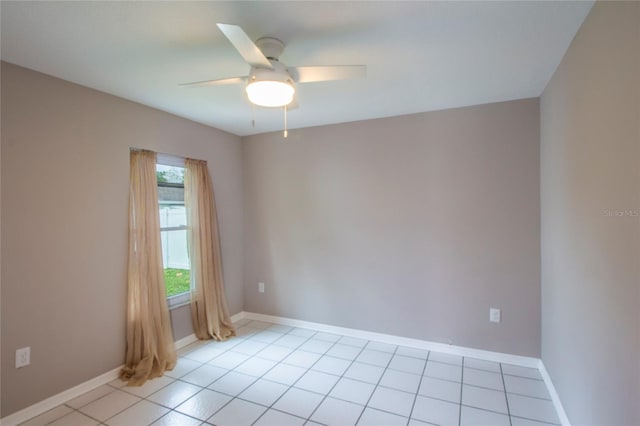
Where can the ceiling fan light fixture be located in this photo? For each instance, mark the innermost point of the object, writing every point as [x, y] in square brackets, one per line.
[270, 93]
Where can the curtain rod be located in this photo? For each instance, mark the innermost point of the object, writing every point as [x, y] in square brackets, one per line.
[166, 159]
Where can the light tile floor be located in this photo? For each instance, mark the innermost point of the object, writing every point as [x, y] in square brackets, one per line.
[274, 375]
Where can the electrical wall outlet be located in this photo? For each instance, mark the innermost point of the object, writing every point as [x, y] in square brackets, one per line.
[23, 357]
[260, 287]
[494, 315]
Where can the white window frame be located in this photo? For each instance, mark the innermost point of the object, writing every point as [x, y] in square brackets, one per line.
[181, 299]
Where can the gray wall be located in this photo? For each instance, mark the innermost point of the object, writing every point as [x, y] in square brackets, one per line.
[590, 137]
[65, 180]
[412, 225]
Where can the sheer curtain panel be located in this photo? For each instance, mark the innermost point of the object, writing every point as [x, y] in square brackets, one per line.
[208, 304]
[150, 347]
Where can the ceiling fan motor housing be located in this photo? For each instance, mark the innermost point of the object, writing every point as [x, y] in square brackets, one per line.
[270, 47]
[278, 73]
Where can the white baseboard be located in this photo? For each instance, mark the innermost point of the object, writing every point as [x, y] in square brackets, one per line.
[239, 316]
[64, 396]
[564, 419]
[181, 343]
[67, 395]
[523, 361]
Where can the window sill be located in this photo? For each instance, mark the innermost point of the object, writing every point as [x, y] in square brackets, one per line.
[179, 300]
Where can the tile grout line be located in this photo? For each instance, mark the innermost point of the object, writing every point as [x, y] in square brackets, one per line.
[386, 386]
[270, 407]
[377, 384]
[293, 349]
[352, 361]
[337, 381]
[178, 412]
[415, 399]
[450, 381]
[110, 417]
[326, 395]
[258, 378]
[164, 406]
[505, 395]
[542, 422]
[104, 396]
[74, 411]
[202, 388]
[243, 339]
[308, 369]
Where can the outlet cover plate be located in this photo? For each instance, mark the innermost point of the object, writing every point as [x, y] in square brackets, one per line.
[494, 315]
[23, 357]
[260, 287]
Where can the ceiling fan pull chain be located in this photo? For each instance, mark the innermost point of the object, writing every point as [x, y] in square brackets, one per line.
[286, 133]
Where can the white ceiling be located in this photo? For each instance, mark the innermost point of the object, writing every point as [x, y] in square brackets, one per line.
[421, 56]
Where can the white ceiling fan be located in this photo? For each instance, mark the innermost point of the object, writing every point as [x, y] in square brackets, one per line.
[271, 83]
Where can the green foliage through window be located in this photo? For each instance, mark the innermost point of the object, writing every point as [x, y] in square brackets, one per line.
[177, 281]
[169, 174]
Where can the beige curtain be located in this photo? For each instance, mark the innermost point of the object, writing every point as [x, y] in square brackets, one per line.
[150, 347]
[208, 304]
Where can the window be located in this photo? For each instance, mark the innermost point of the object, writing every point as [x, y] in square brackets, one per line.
[173, 231]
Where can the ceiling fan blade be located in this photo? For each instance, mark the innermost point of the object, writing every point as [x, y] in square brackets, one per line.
[323, 73]
[243, 44]
[221, 81]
